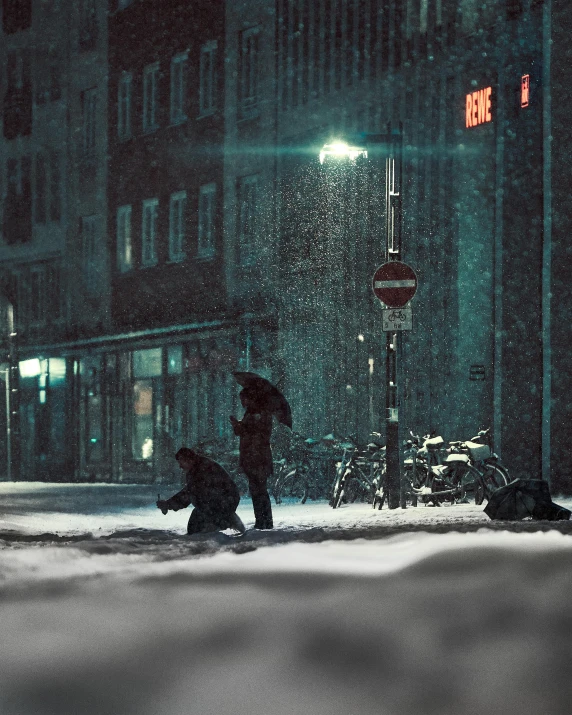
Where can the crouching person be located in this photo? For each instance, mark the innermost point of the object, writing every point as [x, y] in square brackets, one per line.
[210, 489]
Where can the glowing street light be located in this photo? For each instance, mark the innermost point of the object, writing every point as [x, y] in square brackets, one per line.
[388, 146]
[341, 150]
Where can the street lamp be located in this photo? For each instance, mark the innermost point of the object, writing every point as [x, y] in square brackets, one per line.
[342, 150]
[391, 146]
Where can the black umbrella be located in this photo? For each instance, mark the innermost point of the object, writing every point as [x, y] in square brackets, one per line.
[524, 498]
[266, 396]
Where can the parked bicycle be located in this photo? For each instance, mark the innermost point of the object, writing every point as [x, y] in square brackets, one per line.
[360, 473]
[437, 474]
[493, 474]
[304, 472]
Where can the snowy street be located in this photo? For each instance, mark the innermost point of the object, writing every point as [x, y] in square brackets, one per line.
[108, 607]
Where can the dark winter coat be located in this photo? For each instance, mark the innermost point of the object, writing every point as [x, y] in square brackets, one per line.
[254, 431]
[209, 487]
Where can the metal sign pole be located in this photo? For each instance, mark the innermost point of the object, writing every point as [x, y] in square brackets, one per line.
[393, 341]
[394, 284]
[14, 380]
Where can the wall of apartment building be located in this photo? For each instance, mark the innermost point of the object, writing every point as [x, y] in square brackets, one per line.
[166, 161]
[52, 58]
[250, 241]
[87, 154]
[459, 193]
[300, 240]
[171, 154]
[557, 142]
[32, 248]
[33, 166]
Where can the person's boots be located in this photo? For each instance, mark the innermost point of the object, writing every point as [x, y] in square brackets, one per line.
[236, 523]
[262, 512]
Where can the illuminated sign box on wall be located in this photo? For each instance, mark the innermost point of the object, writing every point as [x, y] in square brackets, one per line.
[478, 107]
[525, 90]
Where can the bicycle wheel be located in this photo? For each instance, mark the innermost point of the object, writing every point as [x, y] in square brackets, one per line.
[293, 485]
[339, 488]
[493, 477]
[357, 489]
[305, 484]
[461, 477]
[340, 471]
[469, 480]
[379, 481]
[277, 485]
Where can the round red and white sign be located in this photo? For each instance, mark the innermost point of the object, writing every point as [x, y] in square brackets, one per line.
[394, 283]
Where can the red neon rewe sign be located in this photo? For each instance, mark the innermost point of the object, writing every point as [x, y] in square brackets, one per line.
[524, 90]
[478, 107]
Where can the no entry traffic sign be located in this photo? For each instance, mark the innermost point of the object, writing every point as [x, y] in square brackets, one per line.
[394, 283]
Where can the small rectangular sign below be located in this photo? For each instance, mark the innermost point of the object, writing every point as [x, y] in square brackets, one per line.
[395, 319]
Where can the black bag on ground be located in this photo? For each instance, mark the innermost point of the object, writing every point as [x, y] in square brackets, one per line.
[525, 498]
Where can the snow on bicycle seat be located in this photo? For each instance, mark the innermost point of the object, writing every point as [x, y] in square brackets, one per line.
[434, 443]
[457, 457]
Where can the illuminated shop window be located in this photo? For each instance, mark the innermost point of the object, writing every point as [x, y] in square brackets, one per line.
[147, 363]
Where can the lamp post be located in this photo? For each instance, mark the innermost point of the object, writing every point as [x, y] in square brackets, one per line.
[390, 147]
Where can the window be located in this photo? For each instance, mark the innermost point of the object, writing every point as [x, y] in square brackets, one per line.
[148, 362]
[178, 87]
[88, 108]
[17, 71]
[513, 8]
[55, 200]
[17, 215]
[149, 232]
[17, 94]
[87, 25]
[23, 300]
[423, 9]
[207, 82]
[174, 359]
[89, 253]
[40, 193]
[37, 295]
[150, 77]
[54, 293]
[17, 15]
[47, 199]
[146, 365]
[206, 246]
[124, 249]
[48, 75]
[247, 200]
[177, 215]
[248, 80]
[124, 106]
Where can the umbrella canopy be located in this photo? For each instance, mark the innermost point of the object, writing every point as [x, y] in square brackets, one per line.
[524, 498]
[266, 395]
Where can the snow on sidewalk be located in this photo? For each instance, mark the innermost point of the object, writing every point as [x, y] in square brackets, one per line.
[108, 608]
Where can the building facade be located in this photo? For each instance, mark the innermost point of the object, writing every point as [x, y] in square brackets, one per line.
[214, 239]
[466, 86]
[54, 151]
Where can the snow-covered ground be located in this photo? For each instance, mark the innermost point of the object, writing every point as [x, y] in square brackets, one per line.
[108, 607]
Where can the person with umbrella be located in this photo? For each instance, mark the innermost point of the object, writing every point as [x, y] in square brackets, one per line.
[260, 400]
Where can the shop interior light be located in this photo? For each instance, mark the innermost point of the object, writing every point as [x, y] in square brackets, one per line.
[30, 368]
[341, 150]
